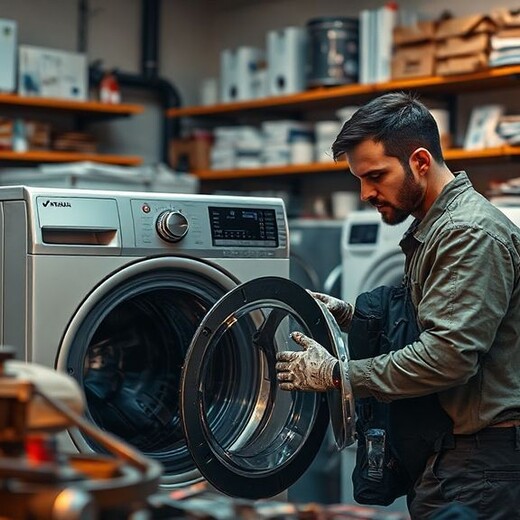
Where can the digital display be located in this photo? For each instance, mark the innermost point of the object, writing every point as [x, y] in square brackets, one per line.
[243, 227]
[363, 234]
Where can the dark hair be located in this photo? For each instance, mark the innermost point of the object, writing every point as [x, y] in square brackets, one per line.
[397, 120]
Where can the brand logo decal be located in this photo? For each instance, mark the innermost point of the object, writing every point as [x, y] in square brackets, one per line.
[56, 204]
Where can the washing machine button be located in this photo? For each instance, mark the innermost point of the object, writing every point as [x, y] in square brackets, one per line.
[172, 226]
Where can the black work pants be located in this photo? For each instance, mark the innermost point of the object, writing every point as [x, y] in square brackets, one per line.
[481, 471]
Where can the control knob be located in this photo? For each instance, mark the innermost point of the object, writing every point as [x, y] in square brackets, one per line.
[172, 226]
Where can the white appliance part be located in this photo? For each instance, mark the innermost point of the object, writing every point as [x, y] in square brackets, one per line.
[286, 60]
[238, 68]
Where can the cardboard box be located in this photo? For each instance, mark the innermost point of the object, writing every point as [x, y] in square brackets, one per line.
[52, 73]
[6, 134]
[465, 26]
[505, 18]
[190, 154]
[38, 135]
[420, 32]
[462, 64]
[463, 45]
[413, 61]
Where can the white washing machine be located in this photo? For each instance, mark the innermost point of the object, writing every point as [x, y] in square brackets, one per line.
[169, 309]
[371, 257]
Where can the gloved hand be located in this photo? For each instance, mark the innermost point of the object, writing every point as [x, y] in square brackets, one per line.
[342, 311]
[310, 369]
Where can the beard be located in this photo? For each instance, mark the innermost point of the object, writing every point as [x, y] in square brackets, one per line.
[409, 198]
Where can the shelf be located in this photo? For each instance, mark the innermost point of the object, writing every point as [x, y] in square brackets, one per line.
[66, 105]
[52, 156]
[456, 154]
[331, 96]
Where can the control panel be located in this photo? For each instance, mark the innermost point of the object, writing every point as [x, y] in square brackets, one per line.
[220, 226]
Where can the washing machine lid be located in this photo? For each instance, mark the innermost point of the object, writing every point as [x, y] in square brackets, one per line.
[276, 437]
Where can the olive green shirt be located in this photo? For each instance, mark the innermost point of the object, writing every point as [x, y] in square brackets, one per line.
[463, 267]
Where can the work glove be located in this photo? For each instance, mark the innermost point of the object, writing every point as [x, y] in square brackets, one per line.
[342, 311]
[310, 369]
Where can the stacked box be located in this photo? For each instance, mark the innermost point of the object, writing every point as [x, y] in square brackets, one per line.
[414, 50]
[463, 44]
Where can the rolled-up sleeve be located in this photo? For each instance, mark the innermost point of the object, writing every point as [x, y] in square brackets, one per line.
[466, 279]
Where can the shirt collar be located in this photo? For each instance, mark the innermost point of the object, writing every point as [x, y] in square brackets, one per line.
[449, 193]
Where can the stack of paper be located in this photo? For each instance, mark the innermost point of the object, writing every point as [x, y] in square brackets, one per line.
[508, 128]
[375, 44]
[504, 50]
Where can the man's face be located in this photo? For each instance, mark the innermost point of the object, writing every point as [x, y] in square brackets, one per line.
[393, 190]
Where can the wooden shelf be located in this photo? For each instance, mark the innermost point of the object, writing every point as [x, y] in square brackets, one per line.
[453, 155]
[90, 107]
[332, 96]
[52, 156]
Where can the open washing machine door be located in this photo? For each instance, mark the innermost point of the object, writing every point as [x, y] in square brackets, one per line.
[255, 440]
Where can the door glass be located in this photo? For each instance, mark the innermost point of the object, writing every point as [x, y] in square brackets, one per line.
[257, 440]
[261, 426]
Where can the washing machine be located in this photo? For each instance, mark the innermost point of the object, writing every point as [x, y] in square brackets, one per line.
[315, 254]
[315, 263]
[168, 309]
[371, 257]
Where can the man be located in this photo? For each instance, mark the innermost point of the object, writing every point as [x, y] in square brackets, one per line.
[463, 273]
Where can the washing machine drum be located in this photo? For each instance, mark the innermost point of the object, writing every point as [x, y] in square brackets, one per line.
[183, 369]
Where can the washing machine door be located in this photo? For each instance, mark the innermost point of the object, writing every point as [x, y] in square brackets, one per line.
[255, 440]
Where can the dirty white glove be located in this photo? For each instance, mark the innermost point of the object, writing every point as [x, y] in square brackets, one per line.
[342, 311]
[310, 369]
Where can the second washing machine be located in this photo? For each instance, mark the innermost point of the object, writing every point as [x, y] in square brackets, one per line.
[371, 257]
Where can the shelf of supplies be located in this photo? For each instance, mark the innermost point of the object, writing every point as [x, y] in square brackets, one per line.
[44, 156]
[69, 105]
[333, 96]
[453, 155]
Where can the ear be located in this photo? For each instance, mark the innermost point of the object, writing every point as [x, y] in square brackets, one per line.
[420, 161]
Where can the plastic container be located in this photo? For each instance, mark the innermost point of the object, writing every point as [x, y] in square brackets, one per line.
[332, 51]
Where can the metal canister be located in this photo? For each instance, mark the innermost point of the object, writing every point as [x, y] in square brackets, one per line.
[332, 51]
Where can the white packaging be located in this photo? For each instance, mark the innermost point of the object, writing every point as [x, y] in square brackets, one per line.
[52, 73]
[222, 158]
[276, 155]
[302, 152]
[208, 94]
[237, 73]
[248, 156]
[280, 131]
[231, 136]
[8, 38]
[286, 60]
[327, 130]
